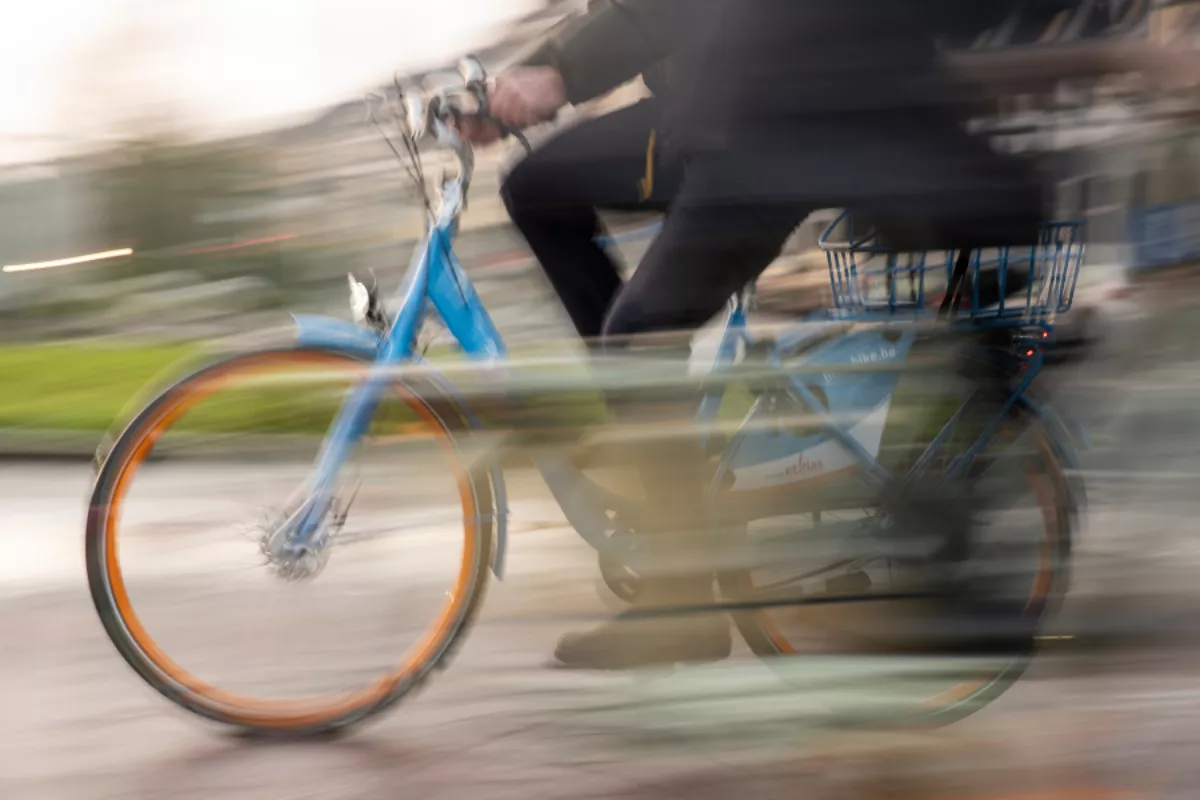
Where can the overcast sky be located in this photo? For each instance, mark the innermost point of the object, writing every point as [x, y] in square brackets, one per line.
[227, 65]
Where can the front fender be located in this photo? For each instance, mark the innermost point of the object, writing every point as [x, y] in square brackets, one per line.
[337, 334]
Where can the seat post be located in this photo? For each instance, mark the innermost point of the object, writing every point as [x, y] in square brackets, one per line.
[957, 278]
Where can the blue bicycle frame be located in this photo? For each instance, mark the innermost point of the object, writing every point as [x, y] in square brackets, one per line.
[437, 282]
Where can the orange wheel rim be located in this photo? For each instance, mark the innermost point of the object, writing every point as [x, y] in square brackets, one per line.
[283, 713]
[1042, 584]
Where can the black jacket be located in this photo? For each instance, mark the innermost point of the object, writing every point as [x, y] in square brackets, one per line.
[617, 39]
[603, 26]
[821, 103]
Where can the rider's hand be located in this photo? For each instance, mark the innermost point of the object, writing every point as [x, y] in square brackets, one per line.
[525, 96]
[479, 132]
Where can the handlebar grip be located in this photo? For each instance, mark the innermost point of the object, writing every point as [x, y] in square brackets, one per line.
[479, 88]
[483, 112]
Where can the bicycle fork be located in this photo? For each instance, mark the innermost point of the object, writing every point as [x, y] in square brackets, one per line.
[354, 417]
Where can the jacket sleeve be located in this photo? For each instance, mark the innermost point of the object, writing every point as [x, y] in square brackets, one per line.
[616, 43]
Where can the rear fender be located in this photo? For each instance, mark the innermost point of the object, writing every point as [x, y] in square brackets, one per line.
[1066, 437]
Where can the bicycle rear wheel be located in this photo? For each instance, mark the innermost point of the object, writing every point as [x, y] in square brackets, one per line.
[336, 655]
[878, 671]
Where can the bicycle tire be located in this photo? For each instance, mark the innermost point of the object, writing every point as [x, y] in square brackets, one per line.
[273, 717]
[960, 702]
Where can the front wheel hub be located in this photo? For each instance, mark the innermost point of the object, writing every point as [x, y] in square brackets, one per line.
[292, 560]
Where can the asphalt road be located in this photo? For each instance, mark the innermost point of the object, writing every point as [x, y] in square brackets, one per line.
[1111, 709]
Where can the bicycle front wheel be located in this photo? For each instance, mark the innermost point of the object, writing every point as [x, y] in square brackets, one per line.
[187, 516]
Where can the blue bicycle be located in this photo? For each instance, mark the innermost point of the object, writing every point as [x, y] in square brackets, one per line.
[809, 450]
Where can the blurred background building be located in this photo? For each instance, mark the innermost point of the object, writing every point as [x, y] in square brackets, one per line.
[227, 233]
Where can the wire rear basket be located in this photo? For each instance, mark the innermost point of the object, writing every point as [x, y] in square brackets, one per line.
[1017, 284]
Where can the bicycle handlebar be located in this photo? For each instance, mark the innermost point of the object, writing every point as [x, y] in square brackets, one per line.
[431, 114]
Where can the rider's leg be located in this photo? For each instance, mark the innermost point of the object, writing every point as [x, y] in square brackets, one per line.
[611, 161]
[706, 252]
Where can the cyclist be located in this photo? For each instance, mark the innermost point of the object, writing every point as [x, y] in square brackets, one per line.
[762, 112]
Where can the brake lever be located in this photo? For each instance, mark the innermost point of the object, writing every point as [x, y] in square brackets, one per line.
[480, 91]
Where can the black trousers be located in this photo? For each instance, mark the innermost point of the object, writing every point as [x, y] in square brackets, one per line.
[709, 248]
[711, 244]
[723, 227]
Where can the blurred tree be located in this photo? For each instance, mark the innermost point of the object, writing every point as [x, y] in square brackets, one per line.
[153, 182]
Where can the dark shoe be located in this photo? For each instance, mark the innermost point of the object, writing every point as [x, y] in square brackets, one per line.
[632, 640]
